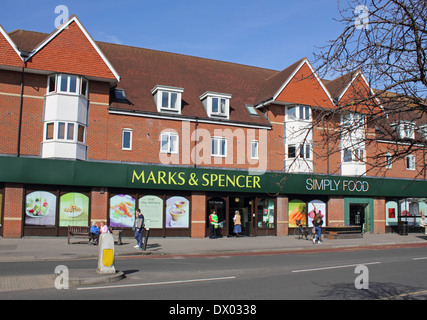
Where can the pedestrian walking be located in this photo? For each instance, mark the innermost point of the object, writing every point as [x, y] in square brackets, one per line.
[213, 225]
[139, 228]
[237, 219]
[317, 223]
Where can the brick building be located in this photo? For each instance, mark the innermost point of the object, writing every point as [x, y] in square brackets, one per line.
[90, 131]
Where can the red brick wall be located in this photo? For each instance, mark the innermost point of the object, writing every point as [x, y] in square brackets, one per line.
[198, 215]
[335, 211]
[13, 210]
[99, 205]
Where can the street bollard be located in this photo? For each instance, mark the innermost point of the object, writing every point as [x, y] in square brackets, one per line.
[106, 254]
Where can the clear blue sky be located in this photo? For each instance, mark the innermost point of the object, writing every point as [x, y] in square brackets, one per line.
[269, 33]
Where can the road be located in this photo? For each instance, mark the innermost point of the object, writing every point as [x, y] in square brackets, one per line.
[387, 274]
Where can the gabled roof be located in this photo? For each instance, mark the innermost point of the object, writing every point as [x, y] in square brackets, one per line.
[298, 83]
[69, 49]
[10, 55]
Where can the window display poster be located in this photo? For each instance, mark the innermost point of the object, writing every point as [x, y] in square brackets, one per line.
[177, 212]
[297, 211]
[152, 209]
[314, 207]
[122, 211]
[40, 209]
[73, 210]
[391, 213]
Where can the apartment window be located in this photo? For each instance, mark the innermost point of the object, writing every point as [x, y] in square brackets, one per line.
[169, 142]
[127, 139]
[64, 131]
[216, 104]
[298, 113]
[354, 155]
[410, 162]
[168, 98]
[388, 161]
[292, 151]
[64, 83]
[406, 130]
[50, 130]
[254, 150]
[219, 147]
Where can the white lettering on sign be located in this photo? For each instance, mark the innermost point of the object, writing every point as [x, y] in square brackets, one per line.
[336, 185]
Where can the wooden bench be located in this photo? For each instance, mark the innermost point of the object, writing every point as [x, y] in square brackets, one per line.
[78, 232]
[344, 232]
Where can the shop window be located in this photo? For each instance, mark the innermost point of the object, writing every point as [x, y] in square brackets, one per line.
[122, 211]
[40, 209]
[152, 208]
[73, 209]
[265, 213]
[177, 212]
[297, 211]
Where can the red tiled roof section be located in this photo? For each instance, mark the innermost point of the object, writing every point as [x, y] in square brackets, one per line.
[8, 56]
[70, 52]
[142, 69]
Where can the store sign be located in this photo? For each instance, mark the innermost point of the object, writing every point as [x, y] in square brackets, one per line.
[196, 179]
[314, 184]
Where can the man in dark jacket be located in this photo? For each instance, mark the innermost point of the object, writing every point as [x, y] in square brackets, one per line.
[139, 228]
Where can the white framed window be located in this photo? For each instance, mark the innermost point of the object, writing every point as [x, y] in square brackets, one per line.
[65, 83]
[168, 99]
[127, 139]
[354, 155]
[254, 149]
[388, 161]
[219, 147]
[298, 113]
[406, 130]
[169, 142]
[410, 162]
[303, 151]
[65, 131]
[217, 105]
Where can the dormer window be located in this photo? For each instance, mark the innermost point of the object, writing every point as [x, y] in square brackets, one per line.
[217, 105]
[168, 99]
[405, 129]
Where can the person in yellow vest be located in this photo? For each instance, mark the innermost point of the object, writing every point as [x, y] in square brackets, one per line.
[213, 225]
[237, 223]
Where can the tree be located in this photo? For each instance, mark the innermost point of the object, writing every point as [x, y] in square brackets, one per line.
[383, 44]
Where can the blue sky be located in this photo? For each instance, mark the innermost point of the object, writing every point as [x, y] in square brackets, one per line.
[270, 33]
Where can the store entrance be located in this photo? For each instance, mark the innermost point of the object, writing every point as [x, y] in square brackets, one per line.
[245, 207]
[357, 215]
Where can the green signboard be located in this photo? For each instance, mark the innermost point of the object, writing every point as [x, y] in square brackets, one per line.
[103, 174]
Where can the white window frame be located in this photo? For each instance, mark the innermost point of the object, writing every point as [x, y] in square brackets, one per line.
[170, 146]
[410, 162]
[80, 81]
[298, 113]
[254, 149]
[208, 99]
[219, 144]
[158, 92]
[406, 130]
[74, 138]
[388, 161]
[130, 132]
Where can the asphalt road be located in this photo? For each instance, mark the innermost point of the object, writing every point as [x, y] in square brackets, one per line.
[347, 275]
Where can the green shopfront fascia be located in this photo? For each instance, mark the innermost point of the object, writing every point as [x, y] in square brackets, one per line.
[58, 193]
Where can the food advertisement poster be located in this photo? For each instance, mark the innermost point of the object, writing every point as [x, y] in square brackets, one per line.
[122, 211]
[152, 209]
[40, 209]
[73, 210]
[297, 211]
[314, 207]
[177, 212]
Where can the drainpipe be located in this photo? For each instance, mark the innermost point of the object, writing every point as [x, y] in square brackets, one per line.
[24, 56]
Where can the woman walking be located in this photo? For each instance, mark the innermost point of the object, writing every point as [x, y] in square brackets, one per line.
[317, 223]
[237, 223]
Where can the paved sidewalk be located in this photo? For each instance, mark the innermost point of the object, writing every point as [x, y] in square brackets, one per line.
[38, 248]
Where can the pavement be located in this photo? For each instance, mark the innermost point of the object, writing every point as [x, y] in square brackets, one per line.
[31, 249]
